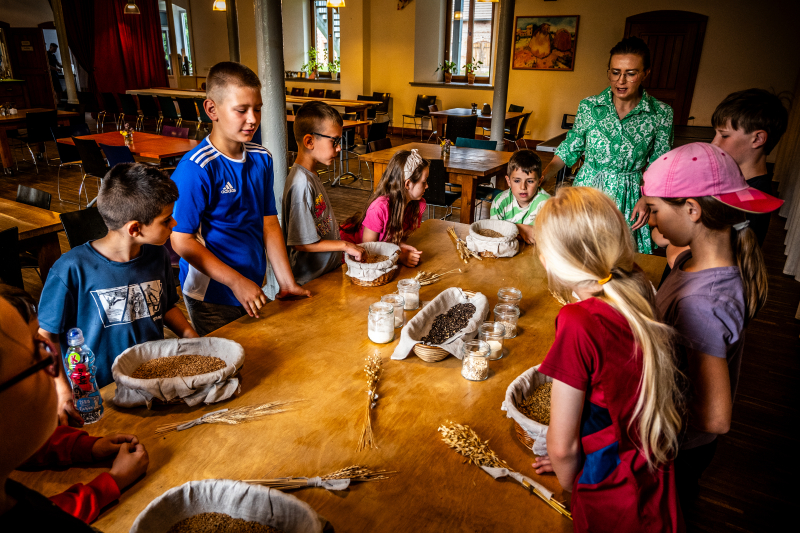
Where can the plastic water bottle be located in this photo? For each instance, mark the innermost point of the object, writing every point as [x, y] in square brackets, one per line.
[81, 372]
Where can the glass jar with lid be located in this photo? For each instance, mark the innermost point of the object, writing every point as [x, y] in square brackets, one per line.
[399, 304]
[475, 360]
[509, 315]
[493, 333]
[509, 295]
[380, 323]
[409, 290]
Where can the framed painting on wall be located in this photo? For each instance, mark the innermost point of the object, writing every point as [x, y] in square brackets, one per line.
[545, 43]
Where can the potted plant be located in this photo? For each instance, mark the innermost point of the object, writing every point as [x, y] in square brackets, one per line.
[334, 67]
[470, 69]
[314, 63]
[448, 67]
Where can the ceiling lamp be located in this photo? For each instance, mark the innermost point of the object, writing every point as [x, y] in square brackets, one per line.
[457, 15]
[495, 1]
[220, 5]
[131, 8]
[335, 3]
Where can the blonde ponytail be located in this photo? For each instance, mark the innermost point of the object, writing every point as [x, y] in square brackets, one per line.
[583, 238]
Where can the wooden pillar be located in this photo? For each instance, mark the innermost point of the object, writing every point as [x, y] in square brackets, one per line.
[269, 49]
[505, 39]
[66, 61]
[233, 30]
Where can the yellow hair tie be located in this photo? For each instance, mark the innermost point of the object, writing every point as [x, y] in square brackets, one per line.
[604, 280]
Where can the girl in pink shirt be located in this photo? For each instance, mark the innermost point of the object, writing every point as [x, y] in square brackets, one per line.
[395, 209]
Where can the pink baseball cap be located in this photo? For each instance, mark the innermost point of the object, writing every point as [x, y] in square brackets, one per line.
[702, 169]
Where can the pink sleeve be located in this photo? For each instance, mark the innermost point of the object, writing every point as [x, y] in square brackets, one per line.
[377, 216]
[422, 206]
[85, 502]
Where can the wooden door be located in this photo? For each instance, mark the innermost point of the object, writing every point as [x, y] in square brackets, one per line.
[29, 60]
[675, 39]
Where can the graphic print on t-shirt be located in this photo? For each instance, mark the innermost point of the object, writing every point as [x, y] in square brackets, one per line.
[123, 305]
[323, 222]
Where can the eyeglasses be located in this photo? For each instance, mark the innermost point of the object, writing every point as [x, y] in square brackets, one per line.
[336, 140]
[45, 360]
[615, 74]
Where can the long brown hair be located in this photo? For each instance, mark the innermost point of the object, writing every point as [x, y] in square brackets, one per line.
[392, 185]
[718, 216]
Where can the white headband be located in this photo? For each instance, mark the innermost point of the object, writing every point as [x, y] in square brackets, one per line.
[741, 225]
[414, 160]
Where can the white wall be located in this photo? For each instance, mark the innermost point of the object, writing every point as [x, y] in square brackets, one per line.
[25, 13]
[210, 34]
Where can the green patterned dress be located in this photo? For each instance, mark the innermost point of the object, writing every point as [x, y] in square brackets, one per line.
[617, 151]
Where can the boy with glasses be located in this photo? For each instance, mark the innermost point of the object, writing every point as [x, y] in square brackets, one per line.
[309, 225]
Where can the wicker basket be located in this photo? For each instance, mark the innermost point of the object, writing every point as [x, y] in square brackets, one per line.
[525, 384]
[490, 247]
[374, 274]
[383, 280]
[523, 436]
[430, 354]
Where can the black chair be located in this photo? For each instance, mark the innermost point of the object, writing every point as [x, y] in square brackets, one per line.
[383, 109]
[37, 130]
[167, 106]
[173, 131]
[33, 197]
[83, 226]
[117, 154]
[376, 132]
[67, 153]
[291, 141]
[10, 269]
[371, 115]
[92, 162]
[334, 94]
[205, 120]
[130, 109]
[421, 112]
[511, 109]
[567, 121]
[296, 108]
[189, 113]
[298, 91]
[434, 123]
[110, 107]
[316, 93]
[382, 144]
[463, 126]
[437, 194]
[150, 110]
[515, 136]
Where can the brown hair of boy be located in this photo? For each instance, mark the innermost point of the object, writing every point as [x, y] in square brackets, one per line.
[751, 110]
[311, 117]
[133, 191]
[227, 73]
[20, 300]
[526, 161]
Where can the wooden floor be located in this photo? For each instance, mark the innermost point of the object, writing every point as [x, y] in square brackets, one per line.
[750, 486]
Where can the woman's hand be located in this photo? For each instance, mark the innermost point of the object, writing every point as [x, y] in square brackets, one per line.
[542, 464]
[409, 255]
[641, 211]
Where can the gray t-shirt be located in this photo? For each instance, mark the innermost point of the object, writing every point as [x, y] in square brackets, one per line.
[308, 218]
[707, 308]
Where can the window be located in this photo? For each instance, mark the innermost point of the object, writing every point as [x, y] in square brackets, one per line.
[470, 32]
[325, 31]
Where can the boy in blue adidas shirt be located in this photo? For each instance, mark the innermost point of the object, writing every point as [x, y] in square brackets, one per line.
[226, 214]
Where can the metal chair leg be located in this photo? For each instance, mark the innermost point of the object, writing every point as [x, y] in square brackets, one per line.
[58, 181]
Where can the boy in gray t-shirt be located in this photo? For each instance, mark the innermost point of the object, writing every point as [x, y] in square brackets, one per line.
[309, 225]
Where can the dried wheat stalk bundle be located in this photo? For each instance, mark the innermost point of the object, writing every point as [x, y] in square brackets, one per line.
[373, 370]
[465, 441]
[461, 247]
[233, 416]
[353, 473]
[428, 278]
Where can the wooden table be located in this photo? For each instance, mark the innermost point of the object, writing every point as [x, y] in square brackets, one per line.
[484, 121]
[38, 231]
[314, 349]
[465, 166]
[144, 144]
[13, 122]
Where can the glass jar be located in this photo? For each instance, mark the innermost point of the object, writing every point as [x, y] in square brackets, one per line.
[493, 333]
[475, 360]
[509, 315]
[409, 290]
[509, 295]
[380, 323]
[398, 302]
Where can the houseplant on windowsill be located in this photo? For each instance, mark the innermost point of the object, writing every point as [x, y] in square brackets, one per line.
[447, 68]
[334, 67]
[470, 69]
[314, 63]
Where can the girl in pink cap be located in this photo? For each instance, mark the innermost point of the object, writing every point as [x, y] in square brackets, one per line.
[698, 199]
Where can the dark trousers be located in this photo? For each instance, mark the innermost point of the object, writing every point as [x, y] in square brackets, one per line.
[207, 317]
[689, 467]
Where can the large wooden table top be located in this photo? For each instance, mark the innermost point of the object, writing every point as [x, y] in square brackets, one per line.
[14, 121]
[144, 144]
[314, 349]
[31, 221]
[198, 93]
[473, 161]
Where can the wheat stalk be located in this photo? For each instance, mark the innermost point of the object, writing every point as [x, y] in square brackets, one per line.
[373, 370]
[234, 416]
[461, 247]
[428, 278]
[353, 473]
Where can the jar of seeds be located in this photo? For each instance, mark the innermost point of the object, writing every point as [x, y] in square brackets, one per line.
[509, 315]
[399, 303]
[493, 333]
[475, 360]
[380, 323]
[509, 295]
[409, 290]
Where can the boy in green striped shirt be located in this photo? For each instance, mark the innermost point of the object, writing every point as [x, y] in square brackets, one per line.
[523, 199]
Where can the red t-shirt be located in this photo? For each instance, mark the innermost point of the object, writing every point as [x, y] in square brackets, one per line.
[594, 351]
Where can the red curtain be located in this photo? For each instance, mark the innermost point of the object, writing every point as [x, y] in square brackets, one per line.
[128, 53]
[79, 24]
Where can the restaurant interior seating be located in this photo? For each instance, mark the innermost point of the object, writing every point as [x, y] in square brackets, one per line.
[10, 268]
[92, 162]
[88, 103]
[434, 123]
[37, 130]
[383, 109]
[167, 105]
[174, 131]
[205, 120]
[130, 109]
[150, 111]
[512, 108]
[67, 153]
[333, 94]
[83, 225]
[376, 132]
[421, 112]
[117, 154]
[298, 91]
[316, 93]
[481, 144]
[437, 195]
[110, 107]
[189, 113]
[460, 126]
[34, 197]
[515, 136]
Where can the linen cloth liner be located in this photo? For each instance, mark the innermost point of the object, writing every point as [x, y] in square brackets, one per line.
[372, 271]
[420, 325]
[503, 472]
[506, 246]
[253, 503]
[194, 390]
[519, 389]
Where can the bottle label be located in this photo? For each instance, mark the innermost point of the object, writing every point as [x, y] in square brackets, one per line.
[73, 358]
[88, 404]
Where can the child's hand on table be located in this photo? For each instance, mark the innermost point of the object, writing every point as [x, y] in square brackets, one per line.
[526, 233]
[543, 464]
[130, 464]
[409, 255]
[294, 290]
[249, 295]
[355, 251]
[110, 445]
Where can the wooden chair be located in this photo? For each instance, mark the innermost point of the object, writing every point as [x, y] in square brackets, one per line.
[298, 91]
[83, 226]
[421, 112]
[333, 94]
[10, 269]
[316, 93]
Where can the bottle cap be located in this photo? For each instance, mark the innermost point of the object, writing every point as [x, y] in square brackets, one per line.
[75, 337]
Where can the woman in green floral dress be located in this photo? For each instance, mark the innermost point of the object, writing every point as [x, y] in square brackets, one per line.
[621, 131]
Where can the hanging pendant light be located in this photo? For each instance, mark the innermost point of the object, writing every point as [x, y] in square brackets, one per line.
[335, 3]
[131, 8]
[220, 5]
[457, 15]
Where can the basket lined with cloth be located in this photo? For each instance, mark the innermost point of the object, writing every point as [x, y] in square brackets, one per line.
[210, 387]
[531, 433]
[493, 238]
[419, 326]
[373, 274]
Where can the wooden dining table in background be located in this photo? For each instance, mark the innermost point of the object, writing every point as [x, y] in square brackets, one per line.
[38, 231]
[144, 144]
[484, 121]
[314, 350]
[14, 122]
[467, 167]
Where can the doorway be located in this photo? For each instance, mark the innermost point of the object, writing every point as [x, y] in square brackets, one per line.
[675, 39]
[177, 39]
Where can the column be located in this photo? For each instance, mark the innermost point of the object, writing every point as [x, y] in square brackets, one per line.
[233, 30]
[505, 39]
[66, 61]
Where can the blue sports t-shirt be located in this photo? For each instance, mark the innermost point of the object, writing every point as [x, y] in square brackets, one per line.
[116, 305]
[227, 201]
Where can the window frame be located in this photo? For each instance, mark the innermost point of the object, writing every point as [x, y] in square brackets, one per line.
[448, 40]
[313, 28]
